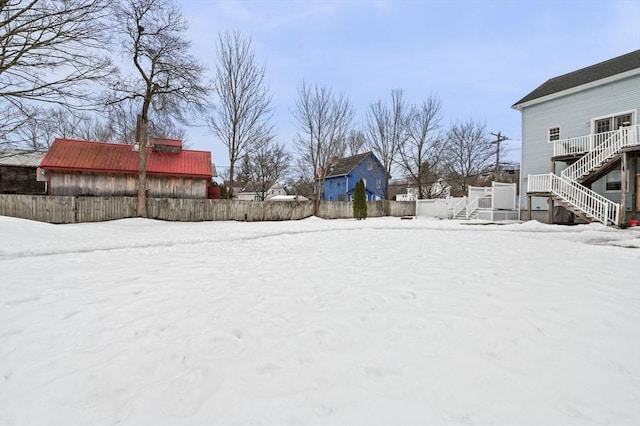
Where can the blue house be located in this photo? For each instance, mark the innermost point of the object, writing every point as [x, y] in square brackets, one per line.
[343, 174]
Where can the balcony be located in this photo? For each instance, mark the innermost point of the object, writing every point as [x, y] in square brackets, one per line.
[575, 147]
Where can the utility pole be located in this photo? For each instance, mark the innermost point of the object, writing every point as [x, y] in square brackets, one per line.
[499, 138]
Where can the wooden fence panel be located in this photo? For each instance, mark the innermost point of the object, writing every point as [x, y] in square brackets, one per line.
[63, 209]
[98, 209]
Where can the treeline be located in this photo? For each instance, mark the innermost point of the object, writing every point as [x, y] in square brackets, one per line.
[122, 70]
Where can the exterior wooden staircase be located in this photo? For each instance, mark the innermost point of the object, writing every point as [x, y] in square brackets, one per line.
[601, 152]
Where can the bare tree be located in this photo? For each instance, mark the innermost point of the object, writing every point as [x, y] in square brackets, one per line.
[468, 153]
[243, 113]
[167, 79]
[265, 166]
[420, 151]
[50, 52]
[352, 144]
[39, 129]
[386, 131]
[324, 119]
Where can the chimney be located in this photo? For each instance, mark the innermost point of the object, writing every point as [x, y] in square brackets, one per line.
[334, 160]
[165, 145]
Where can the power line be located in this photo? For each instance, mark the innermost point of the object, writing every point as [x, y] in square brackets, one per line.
[499, 138]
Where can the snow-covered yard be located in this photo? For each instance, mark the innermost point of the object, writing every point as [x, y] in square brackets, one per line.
[315, 322]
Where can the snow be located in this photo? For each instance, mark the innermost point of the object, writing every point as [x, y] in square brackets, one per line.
[318, 322]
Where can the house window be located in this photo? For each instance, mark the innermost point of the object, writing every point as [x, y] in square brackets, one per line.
[370, 165]
[338, 184]
[603, 125]
[330, 184]
[623, 121]
[554, 134]
[613, 122]
[378, 183]
[612, 182]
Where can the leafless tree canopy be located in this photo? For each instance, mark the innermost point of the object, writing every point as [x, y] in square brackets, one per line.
[167, 79]
[48, 49]
[469, 152]
[324, 120]
[420, 151]
[51, 51]
[386, 130]
[352, 144]
[243, 111]
[264, 166]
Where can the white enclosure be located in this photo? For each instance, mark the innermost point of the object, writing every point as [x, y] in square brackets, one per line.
[497, 202]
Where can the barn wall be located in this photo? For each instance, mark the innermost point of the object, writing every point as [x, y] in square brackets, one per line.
[20, 180]
[125, 185]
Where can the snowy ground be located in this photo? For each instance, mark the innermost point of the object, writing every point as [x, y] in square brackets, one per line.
[314, 322]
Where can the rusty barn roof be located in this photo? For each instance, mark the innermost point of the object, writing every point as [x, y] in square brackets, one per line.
[77, 155]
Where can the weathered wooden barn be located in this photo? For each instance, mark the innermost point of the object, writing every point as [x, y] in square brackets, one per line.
[19, 172]
[83, 168]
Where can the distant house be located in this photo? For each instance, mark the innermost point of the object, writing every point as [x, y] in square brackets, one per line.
[76, 167]
[343, 174]
[581, 143]
[256, 192]
[19, 172]
[437, 189]
[407, 194]
[234, 188]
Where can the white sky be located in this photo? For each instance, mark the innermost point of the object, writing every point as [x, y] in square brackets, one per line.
[318, 322]
[480, 57]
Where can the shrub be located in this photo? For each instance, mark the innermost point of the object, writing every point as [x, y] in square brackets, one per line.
[360, 201]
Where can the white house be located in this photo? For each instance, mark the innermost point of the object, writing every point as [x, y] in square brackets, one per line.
[580, 144]
[407, 194]
[254, 192]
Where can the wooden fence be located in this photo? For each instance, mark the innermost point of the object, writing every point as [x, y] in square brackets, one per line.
[61, 209]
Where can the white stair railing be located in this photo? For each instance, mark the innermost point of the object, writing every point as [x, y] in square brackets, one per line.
[606, 146]
[472, 207]
[587, 201]
[458, 206]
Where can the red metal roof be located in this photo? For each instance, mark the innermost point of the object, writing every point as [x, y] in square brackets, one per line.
[76, 155]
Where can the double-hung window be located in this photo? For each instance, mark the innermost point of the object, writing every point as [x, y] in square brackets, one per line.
[613, 181]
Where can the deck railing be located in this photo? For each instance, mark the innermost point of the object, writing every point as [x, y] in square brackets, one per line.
[591, 203]
[539, 183]
[587, 143]
[606, 148]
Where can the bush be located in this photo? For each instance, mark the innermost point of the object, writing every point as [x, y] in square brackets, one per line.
[360, 201]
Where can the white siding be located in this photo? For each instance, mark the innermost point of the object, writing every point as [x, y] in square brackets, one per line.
[573, 114]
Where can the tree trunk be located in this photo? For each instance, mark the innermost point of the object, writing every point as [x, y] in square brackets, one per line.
[142, 173]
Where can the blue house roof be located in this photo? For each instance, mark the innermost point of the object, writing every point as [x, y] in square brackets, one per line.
[344, 166]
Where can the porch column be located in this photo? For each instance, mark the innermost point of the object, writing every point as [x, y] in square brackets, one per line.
[550, 200]
[624, 188]
[634, 185]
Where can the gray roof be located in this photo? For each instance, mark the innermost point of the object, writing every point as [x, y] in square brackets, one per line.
[20, 158]
[345, 165]
[618, 65]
